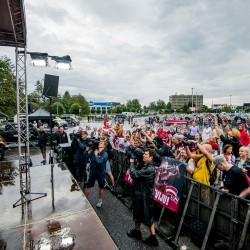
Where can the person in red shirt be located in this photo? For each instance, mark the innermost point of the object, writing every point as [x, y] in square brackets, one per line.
[105, 123]
[244, 137]
[161, 132]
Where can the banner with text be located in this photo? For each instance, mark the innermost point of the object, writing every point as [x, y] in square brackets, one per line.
[169, 177]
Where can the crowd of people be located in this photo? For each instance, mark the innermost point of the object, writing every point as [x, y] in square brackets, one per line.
[215, 155]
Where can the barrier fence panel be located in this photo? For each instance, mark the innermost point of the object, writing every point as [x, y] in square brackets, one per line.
[207, 215]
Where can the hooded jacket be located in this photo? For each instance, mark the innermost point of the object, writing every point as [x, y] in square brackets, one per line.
[162, 149]
[244, 137]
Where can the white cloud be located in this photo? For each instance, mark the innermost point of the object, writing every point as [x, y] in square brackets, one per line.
[145, 49]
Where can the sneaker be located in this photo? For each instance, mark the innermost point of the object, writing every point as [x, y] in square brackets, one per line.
[99, 204]
[151, 240]
[44, 162]
[112, 189]
[135, 234]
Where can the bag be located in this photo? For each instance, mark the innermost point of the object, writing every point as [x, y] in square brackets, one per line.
[212, 178]
[213, 174]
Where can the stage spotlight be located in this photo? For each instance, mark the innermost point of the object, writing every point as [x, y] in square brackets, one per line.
[63, 62]
[39, 59]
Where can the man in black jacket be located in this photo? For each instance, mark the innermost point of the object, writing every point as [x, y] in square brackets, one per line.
[63, 137]
[143, 179]
[161, 148]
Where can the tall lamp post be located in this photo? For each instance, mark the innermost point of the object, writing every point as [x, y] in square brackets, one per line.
[230, 103]
[192, 101]
[196, 103]
[38, 59]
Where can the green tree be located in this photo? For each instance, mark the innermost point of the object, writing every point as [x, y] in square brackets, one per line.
[37, 95]
[80, 99]
[74, 108]
[7, 87]
[67, 102]
[226, 109]
[118, 110]
[134, 104]
[169, 106]
[160, 105]
[185, 108]
[152, 106]
[58, 108]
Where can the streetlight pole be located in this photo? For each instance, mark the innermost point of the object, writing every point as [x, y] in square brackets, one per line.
[196, 103]
[192, 100]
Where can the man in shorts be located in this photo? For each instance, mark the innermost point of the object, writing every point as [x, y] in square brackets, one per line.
[98, 158]
[42, 140]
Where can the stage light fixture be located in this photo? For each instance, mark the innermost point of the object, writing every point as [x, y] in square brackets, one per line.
[63, 62]
[39, 59]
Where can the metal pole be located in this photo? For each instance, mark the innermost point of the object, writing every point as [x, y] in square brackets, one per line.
[230, 103]
[244, 230]
[183, 214]
[51, 138]
[192, 100]
[196, 103]
[203, 247]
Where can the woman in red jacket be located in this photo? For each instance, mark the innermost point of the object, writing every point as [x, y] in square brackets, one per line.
[244, 137]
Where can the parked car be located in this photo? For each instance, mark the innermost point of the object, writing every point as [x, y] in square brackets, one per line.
[60, 122]
[9, 132]
[71, 120]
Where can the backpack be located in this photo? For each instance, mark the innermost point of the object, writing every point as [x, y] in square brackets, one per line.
[213, 174]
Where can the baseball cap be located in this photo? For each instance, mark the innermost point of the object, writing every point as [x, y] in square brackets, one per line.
[219, 159]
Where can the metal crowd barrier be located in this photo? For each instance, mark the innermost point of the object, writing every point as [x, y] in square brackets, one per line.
[206, 214]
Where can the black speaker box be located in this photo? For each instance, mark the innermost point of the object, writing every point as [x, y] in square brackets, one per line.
[65, 154]
[50, 87]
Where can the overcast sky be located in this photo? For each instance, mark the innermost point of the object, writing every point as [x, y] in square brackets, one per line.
[143, 49]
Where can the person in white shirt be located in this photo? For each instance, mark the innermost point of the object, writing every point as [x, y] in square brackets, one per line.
[88, 129]
[123, 143]
[94, 133]
[193, 129]
[76, 128]
[206, 131]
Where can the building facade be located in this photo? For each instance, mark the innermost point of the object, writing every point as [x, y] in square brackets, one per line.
[102, 107]
[246, 106]
[177, 101]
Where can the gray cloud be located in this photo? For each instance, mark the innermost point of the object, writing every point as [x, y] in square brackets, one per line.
[145, 49]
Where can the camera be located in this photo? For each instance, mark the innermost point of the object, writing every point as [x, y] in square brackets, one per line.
[135, 153]
[93, 144]
[150, 144]
[187, 143]
[219, 119]
[77, 136]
